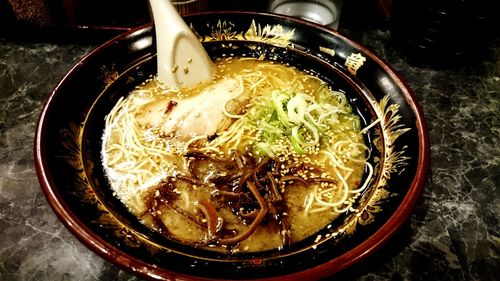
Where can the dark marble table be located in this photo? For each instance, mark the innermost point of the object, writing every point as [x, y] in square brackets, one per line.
[453, 234]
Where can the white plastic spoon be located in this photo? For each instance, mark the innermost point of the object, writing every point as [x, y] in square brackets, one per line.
[182, 60]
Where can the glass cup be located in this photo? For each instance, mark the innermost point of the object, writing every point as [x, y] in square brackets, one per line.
[190, 6]
[324, 12]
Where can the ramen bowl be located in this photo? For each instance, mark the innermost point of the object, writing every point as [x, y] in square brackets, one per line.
[71, 173]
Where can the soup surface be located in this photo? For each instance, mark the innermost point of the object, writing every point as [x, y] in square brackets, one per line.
[259, 158]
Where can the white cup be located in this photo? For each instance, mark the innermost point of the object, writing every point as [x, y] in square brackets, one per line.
[324, 12]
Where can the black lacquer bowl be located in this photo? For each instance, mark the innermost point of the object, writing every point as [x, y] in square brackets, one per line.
[68, 142]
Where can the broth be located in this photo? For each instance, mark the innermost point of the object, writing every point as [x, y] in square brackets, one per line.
[259, 158]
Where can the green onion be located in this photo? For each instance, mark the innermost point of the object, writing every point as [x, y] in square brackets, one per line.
[296, 146]
[301, 118]
[264, 148]
[277, 100]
